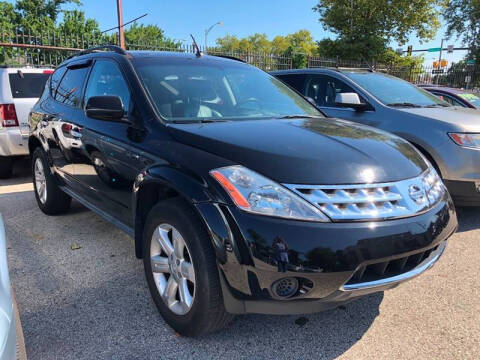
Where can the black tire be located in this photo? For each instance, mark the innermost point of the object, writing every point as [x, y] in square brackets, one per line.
[207, 313]
[6, 167]
[57, 202]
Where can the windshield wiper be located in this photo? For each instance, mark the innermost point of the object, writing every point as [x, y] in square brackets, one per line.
[436, 105]
[404, 104]
[197, 121]
[299, 117]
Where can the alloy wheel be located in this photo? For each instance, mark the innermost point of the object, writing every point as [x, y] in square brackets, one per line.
[172, 269]
[40, 181]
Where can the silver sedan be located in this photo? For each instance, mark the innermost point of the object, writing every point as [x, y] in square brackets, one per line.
[448, 136]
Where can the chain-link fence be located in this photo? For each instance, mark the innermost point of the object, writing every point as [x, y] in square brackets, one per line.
[51, 48]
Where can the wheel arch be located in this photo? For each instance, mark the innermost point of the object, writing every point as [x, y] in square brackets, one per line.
[428, 155]
[159, 184]
[33, 143]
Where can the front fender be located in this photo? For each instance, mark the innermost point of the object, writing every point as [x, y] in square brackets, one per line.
[161, 182]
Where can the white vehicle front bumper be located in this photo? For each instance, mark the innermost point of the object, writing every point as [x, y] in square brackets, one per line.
[13, 142]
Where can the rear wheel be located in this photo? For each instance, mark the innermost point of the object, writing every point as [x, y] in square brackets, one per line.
[6, 167]
[181, 270]
[50, 199]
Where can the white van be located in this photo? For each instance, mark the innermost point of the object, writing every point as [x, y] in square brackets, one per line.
[20, 89]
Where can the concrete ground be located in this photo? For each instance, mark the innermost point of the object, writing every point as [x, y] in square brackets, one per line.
[82, 295]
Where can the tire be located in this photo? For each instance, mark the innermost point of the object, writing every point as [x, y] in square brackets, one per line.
[53, 201]
[206, 313]
[6, 167]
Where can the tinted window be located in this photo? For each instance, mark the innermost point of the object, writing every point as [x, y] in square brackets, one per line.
[324, 89]
[216, 89]
[297, 81]
[27, 85]
[394, 91]
[55, 79]
[69, 91]
[107, 79]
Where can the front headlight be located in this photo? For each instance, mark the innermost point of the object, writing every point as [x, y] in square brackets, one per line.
[433, 185]
[254, 193]
[471, 140]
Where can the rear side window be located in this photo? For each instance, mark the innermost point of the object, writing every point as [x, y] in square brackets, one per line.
[55, 80]
[69, 91]
[27, 85]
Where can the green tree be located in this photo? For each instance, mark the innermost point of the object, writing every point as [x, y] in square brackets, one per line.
[8, 19]
[39, 15]
[463, 21]
[148, 36]
[365, 27]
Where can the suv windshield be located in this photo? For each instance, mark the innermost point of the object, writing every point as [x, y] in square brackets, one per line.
[199, 89]
[393, 91]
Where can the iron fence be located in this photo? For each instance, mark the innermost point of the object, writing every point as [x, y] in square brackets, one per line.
[51, 48]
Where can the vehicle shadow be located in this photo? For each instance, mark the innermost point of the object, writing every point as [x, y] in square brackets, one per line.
[468, 218]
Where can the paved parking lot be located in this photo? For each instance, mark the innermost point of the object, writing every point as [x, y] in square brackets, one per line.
[82, 295]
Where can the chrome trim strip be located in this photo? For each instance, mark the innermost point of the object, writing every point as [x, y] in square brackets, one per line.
[421, 268]
[374, 201]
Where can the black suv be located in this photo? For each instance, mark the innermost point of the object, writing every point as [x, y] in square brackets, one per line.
[240, 195]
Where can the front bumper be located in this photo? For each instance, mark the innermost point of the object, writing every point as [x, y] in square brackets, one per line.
[325, 257]
[464, 193]
[13, 142]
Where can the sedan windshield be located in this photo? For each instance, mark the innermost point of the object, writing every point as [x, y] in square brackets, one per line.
[395, 92]
[191, 89]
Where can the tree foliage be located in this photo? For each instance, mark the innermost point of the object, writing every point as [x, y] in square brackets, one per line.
[463, 21]
[364, 28]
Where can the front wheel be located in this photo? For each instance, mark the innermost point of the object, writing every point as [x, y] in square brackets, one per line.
[181, 270]
[50, 198]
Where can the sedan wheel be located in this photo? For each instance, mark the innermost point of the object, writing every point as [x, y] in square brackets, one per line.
[172, 269]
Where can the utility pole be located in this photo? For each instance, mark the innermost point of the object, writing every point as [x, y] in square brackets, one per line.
[121, 35]
[440, 60]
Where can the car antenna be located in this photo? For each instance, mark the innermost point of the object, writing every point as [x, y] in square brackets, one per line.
[198, 52]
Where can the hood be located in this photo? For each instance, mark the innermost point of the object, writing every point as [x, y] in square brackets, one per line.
[465, 118]
[307, 151]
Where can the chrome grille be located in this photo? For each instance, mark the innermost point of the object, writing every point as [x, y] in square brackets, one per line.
[373, 201]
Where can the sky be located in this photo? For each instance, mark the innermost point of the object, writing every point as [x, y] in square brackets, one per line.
[180, 18]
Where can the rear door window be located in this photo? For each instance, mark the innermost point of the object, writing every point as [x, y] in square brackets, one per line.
[55, 80]
[69, 91]
[27, 85]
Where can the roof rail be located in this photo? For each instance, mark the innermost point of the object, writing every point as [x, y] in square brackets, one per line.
[113, 48]
[229, 57]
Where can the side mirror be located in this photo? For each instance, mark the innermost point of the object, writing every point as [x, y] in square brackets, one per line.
[105, 108]
[350, 100]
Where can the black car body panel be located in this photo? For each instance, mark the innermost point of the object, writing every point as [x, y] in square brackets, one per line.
[310, 146]
[121, 169]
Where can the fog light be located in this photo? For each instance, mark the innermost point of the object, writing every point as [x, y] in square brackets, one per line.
[285, 287]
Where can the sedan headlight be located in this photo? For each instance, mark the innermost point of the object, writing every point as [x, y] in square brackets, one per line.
[471, 140]
[254, 193]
